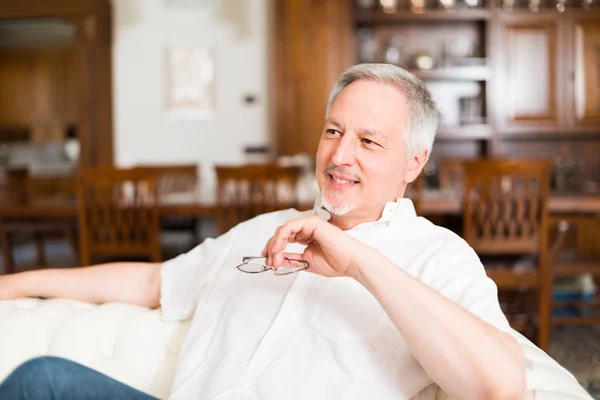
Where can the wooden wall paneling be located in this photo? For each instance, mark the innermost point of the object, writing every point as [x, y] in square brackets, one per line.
[313, 41]
[16, 72]
[48, 101]
[71, 90]
[103, 84]
[91, 68]
[44, 9]
[85, 114]
[34, 92]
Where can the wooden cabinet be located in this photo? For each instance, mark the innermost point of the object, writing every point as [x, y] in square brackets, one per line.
[510, 83]
[585, 88]
[548, 75]
[87, 94]
[37, 91]
[529, 77]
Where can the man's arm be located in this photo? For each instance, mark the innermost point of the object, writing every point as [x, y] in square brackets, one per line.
[467, 357]
[134, 283]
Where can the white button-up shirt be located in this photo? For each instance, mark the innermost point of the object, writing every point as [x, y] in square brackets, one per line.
[304, 336]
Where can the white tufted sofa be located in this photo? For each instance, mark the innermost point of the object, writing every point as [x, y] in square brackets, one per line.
[133, 345]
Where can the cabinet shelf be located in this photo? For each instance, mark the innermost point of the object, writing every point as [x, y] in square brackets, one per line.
[465, 132]
[14, 134]
[468, 73]
[363, 16]
[544, 13]
[551, 132]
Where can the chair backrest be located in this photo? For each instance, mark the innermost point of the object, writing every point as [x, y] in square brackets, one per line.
[173, 181]
[247, 191]
[452, 175]
[506, 206]
[118, 214]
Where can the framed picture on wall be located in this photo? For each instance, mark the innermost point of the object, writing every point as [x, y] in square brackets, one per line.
[190, 82]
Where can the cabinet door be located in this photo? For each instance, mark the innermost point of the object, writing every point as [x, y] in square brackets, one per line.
[312, 47]
[586, 71]
[528, 81]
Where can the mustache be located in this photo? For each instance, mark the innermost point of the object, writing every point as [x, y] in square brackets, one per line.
[341, 171]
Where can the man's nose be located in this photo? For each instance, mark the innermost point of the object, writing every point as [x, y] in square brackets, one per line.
[345, 152]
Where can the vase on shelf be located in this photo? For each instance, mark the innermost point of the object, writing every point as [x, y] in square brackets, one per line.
[389, 6]
[366, 4]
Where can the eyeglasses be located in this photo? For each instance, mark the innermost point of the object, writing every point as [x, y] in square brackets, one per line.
[256, 265]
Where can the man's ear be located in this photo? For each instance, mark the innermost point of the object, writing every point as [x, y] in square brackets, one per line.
[415, 165]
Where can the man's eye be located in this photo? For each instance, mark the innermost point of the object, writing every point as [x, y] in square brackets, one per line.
[369, 142]
[333, 132]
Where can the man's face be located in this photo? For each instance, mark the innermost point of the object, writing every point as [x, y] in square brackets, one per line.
[361, 162]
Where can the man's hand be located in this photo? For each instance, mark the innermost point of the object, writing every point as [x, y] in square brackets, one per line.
[330, 251]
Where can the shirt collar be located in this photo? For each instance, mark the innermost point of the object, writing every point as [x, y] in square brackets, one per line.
[393, 211]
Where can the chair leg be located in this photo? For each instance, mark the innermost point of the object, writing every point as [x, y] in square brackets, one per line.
[544, 322]
[84, 259]
[157, 254]
[39, 249]
[7, 252]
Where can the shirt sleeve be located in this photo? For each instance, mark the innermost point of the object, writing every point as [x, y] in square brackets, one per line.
[462, 279]
[184, 278]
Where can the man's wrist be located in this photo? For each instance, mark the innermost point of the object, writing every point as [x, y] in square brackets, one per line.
[366, 258]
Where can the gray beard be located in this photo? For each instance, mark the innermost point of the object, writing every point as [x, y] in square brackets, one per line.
[336, 210]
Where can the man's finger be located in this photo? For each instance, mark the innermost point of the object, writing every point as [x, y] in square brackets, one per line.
[296, 256]
[269, 245]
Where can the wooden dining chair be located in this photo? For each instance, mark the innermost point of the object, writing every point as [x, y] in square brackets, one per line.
[22, 188]
[452, 175]
[176, 184]
[173, 181]
[575, 251]
[244, 192]
[505, 221]
[118, 215]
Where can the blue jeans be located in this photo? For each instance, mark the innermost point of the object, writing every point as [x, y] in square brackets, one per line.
[60, 379]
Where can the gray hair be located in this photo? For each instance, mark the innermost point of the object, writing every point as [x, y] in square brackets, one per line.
[422, 114]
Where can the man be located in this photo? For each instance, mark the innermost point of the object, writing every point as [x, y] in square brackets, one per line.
[393, 307]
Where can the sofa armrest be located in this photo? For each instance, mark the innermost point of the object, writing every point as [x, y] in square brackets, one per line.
[126, 342]
[546, 379]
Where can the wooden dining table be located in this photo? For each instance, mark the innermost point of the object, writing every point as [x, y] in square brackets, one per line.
[439, 203]
[433, 203]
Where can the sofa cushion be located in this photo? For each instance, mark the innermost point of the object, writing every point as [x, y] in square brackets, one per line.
[133, 345]
[126, 342]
